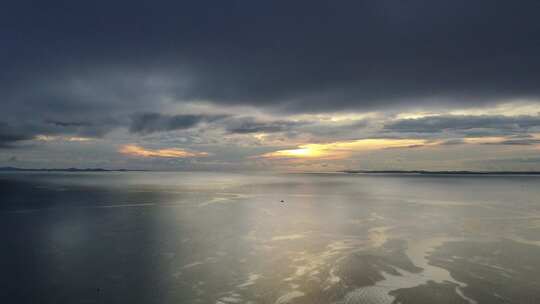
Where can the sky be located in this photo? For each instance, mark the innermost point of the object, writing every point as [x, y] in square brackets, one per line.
[271, 85]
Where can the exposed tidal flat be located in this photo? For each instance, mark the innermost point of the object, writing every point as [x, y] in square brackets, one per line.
[146, 237]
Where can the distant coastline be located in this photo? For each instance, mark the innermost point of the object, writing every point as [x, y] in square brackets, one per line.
[15, 169]
[426, 172]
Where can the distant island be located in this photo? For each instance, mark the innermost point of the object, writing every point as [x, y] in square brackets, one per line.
[442, 172]
[15, 169]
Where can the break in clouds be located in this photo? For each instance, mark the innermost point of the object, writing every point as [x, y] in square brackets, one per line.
[237, 80]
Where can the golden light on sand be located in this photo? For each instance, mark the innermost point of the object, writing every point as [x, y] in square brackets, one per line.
[135, 150]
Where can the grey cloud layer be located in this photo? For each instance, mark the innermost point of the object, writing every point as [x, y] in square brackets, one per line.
[85, 68]
[298, 56]
[470, 124]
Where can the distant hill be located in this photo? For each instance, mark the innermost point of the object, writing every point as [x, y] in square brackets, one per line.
[443, 172]
[15, 169]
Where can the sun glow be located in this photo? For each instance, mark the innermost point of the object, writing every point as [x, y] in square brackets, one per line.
[343, 149]
[303, 151]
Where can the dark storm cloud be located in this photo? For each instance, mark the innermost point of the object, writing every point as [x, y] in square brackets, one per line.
[246, 125]
[146, 123]
[13, 133]
[472, 124]
[9, 136]
[98, 128]
[69, 123]
[519, 142]
[89, 105]
[303, 56]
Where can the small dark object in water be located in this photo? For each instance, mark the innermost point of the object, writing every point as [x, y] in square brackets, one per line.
[98, 289]
[282, 201]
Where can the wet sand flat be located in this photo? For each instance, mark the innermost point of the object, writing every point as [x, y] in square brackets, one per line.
[147, 237]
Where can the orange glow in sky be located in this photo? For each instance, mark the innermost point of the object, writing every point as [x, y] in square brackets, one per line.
[134, 150]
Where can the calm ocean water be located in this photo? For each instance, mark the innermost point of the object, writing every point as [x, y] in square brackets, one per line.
[146, 237]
